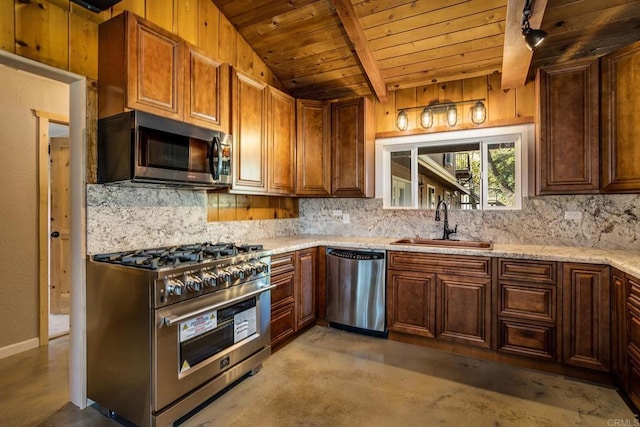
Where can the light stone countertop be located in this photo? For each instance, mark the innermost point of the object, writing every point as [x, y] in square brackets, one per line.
[626, 261]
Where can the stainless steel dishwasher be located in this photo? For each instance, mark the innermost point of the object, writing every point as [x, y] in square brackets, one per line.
[356, 290]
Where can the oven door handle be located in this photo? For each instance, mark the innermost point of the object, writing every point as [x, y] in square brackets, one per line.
[172, 320]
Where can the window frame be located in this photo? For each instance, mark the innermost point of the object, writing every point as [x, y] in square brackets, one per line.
[521, 135]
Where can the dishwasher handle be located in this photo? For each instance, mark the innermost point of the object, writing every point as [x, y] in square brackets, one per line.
[357, 255]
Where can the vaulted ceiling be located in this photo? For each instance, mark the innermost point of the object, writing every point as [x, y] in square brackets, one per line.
[326, 49]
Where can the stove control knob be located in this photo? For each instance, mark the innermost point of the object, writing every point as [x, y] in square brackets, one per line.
[249, 270]
[262, 267]
[173, 286]
[240, 273]
[226, 277]
[209, 279]
[192, 282]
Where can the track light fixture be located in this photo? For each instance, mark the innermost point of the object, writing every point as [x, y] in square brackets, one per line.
[532, 38]
[478, 113]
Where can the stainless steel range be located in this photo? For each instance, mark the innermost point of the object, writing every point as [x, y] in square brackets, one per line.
[168, 328]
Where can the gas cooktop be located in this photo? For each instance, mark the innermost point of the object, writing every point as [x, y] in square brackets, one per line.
[174, 256]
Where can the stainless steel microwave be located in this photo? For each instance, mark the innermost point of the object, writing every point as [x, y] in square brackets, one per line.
[137, 147]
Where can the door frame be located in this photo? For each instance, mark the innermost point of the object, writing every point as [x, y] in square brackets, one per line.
[43, 119]
[77, 151]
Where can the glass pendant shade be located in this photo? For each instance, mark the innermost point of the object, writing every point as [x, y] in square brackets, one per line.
[402, 122]
[478, 113]
[426, 118]
[452, 115]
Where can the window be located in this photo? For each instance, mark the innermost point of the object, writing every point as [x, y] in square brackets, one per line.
[474, 172]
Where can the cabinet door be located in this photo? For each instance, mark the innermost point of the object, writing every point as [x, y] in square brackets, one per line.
[206, 96]
[281, 131]
[619, 326]
[411, 302]
[249, 104]
[313, 148]
[585, 302]
[464, 309]
[568, 132]
[620, 127]
[155, 69]
[305, 287]
[352, 139]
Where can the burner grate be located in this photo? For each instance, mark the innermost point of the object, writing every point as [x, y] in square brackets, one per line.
[155, 258]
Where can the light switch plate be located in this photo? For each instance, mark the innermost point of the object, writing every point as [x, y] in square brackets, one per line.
[573, 215]
[345, 218]
[337, 212]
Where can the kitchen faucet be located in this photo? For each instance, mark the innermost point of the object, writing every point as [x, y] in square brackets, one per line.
[447, 231]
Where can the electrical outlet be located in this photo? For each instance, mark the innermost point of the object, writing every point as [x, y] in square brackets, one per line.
[573, 215]
[337, 212]
[345, 218]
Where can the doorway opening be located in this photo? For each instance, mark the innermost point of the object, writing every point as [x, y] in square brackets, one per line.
[78, 136]
[59, 216]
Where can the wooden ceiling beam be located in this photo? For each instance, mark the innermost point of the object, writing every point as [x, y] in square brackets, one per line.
[354, 31]
[516, 56]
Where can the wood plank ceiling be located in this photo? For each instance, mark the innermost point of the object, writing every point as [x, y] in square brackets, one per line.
[416, 42]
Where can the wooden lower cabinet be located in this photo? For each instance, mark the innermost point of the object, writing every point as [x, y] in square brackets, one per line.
[293, 299]
[527, 308]
[411, 303]
[305, 291]
[464, 309]
[586, 316]
[424, 298]
[619, 326]
[632, 383]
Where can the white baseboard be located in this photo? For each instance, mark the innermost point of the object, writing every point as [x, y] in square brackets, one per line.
[19, 347]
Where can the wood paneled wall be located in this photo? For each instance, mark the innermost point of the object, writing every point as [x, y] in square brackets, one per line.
[231, 207]
[64, 35]
[504, 107]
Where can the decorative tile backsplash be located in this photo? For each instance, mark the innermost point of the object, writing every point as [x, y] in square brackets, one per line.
[121, 218]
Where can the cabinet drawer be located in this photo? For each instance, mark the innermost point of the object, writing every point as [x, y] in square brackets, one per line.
[633, 288]
[413, 261]
[633, 388]
[283, 323]
[282, 294]
[527, 339]
[527, 302]
[634, 331]
[529, 271]
[282, 263]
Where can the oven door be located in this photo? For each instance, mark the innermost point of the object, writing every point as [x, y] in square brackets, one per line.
[195, 340]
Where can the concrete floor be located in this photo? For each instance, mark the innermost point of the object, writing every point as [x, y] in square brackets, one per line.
[333, 378]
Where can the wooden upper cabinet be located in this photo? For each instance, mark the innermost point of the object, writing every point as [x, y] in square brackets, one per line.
[313, 148]
[140, 67]
[586, 316]
[249, 130]
[568, 138]
[206, 90]
[352, 146]
[620, 126]
[281, 131]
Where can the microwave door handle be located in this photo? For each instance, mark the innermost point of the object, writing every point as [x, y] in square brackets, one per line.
[213, 167]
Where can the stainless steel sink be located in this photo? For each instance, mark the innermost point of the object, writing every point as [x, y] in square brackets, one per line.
[462, 244]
